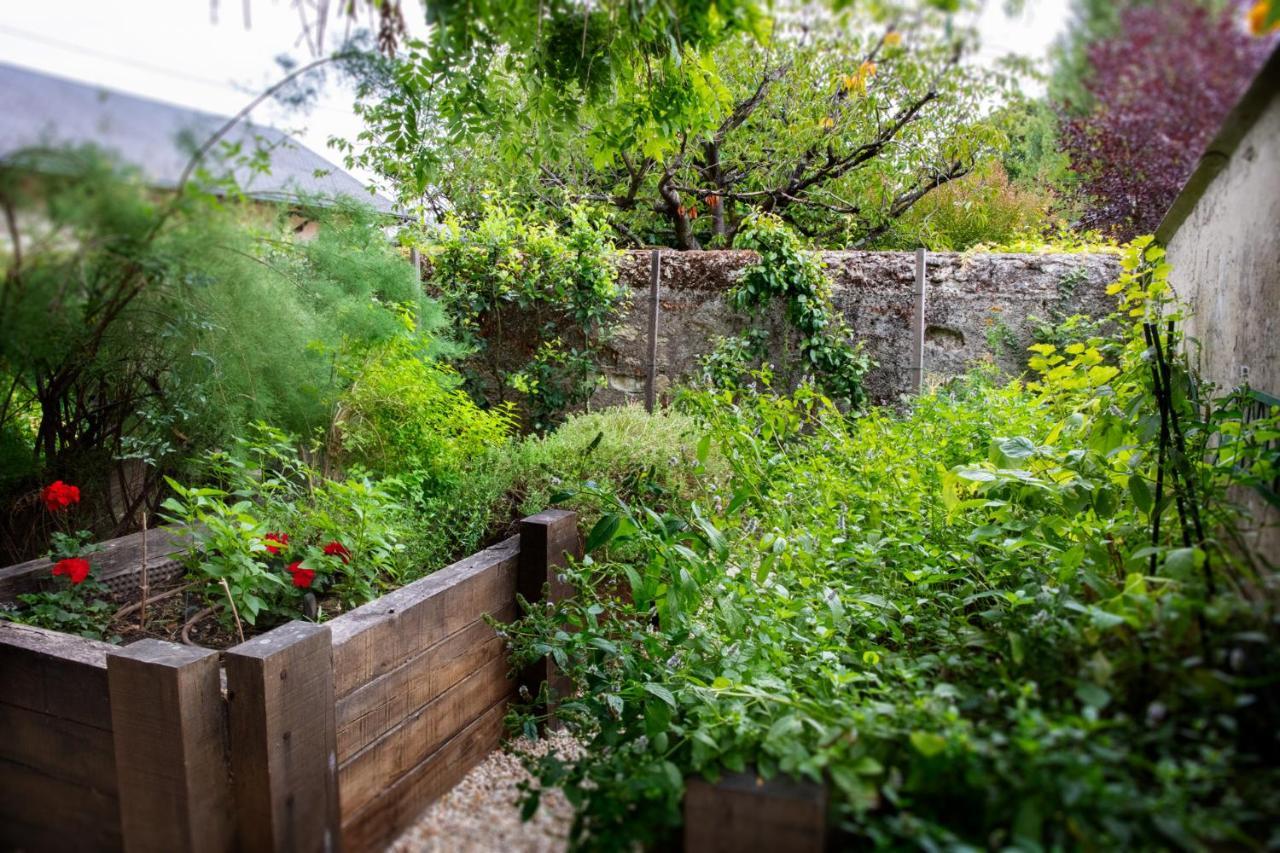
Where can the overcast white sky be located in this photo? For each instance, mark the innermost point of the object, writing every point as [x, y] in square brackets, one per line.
[174, 50]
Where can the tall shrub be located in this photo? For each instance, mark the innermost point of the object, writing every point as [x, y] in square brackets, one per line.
[153, 327]
[534, 301]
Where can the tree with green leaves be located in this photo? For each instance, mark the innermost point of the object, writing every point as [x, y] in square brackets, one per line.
[838, 124]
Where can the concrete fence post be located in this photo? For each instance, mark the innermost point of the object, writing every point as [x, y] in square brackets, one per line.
[655, 308]
[916, 375]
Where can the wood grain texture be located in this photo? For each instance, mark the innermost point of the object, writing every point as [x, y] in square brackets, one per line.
[382, 635]
[169, 723]
[743, 813]
[378, 706]
[115, 565]
[61, 749]
[282, 740]
[39, 812]
[55, 674]
[548, 541]
[57, 757]
[381, 820]
[378, 767]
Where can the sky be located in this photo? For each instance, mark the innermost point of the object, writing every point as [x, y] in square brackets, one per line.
[200, 54]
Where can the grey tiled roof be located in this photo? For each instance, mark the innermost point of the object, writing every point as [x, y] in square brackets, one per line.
[158, 138]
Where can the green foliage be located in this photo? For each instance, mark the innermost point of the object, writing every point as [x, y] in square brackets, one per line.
[1058, 240]
[274, 319]
[788, 273]
[965, 617]
[982, 207]
[153, 328]
[405, 414]
[406, 419]
[84, 610]
[836, 122]
[262, 489]
[74, 606]
[621, 451]
[533, 301]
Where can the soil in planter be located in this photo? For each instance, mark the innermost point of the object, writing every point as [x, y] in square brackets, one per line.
[167, 618]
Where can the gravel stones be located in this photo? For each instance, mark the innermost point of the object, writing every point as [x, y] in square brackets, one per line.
[481, 814]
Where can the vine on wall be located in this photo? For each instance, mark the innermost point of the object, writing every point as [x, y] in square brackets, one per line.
[787, 272]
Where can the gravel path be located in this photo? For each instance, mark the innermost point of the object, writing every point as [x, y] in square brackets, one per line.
[480, 813]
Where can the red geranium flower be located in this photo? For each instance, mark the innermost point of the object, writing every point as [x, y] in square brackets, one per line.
[75, 568]
[337, 549]
[58, 496]
[281, 540]
[302, 578]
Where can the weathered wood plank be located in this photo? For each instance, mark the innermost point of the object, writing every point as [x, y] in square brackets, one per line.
[375, 825]
[55, 673]
[377, 768]
[41, 813]
[378, 637]
[62, 749]
[282, 741]
[170, 741]
[377, 707]
[743, 813]
[114, 565]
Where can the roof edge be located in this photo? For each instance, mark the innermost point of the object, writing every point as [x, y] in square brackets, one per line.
[1243, 116]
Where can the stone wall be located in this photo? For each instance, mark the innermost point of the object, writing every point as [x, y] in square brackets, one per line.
[972, 302]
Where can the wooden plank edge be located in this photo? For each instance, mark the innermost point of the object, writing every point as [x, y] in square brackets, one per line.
[370, 696]
[380, 821]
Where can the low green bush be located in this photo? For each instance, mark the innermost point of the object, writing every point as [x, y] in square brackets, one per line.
[623, 451]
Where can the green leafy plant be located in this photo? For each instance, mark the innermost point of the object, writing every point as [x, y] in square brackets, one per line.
[133, 328]
[272, 530]
[1009, 616]
[78, 603]
[534, 303]
[787, 273]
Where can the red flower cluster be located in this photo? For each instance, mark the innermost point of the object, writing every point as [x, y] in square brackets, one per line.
[59, 496]
[302, 577]
[281, 540]
[337, 549]
[75, 568]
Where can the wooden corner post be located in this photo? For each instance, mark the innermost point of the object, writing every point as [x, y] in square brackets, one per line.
[169, 726]
[743, 813]
[284, 760]
[548, 541]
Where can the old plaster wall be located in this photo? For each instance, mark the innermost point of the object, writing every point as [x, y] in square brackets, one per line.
[979, 307]
[1223, 241]
[1226, 262]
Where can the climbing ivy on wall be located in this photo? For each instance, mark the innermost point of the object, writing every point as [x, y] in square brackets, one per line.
[786, 272]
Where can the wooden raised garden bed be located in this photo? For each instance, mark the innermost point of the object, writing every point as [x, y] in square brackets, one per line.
[309, 737]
